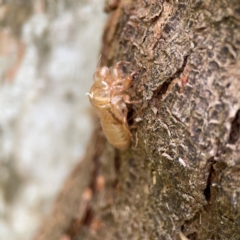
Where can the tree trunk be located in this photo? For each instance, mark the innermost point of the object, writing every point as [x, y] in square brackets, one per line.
[180, 179]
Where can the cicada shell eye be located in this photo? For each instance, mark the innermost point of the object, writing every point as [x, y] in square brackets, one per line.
[104, 73]
[96, 77]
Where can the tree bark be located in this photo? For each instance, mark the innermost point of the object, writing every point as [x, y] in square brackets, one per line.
[180, 179]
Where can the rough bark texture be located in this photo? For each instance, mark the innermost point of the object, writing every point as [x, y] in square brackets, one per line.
[180, 179]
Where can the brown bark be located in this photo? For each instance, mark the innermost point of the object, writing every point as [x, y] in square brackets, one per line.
[180, 179]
